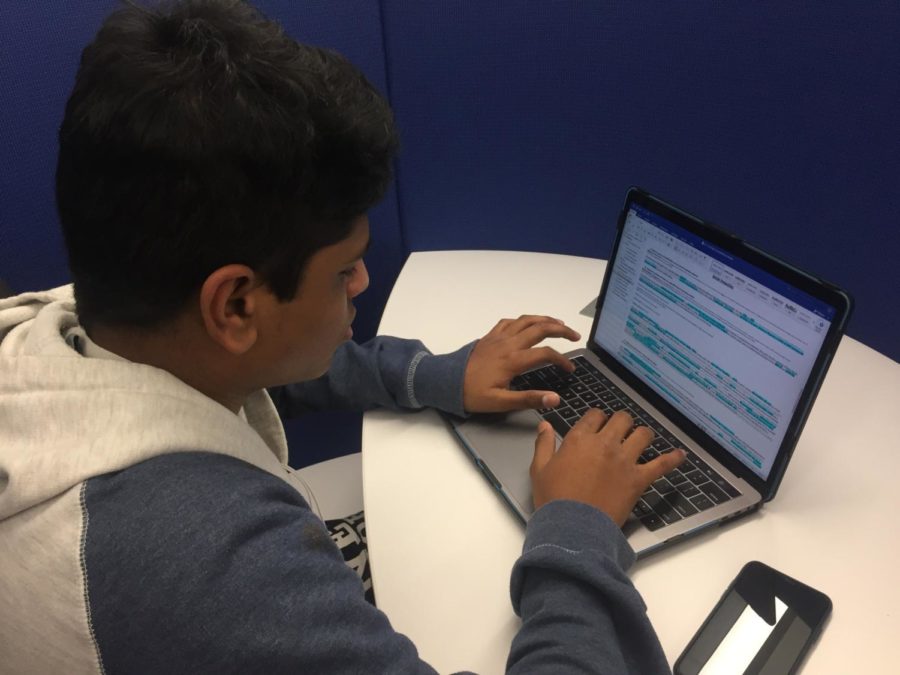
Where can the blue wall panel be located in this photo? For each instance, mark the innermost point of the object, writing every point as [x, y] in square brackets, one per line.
[524, 122]
[40, 45]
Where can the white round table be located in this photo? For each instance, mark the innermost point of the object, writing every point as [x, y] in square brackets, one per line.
[442, 543]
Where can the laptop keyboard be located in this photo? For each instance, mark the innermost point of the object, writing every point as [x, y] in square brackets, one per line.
[691, 488]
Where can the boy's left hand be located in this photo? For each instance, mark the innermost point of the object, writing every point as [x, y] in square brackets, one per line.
[506, 351]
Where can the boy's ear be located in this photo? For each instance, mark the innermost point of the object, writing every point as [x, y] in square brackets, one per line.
[230, 309]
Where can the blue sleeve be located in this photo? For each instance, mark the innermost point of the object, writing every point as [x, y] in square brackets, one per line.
[580, 612]
[385, 372]
[201, 563]
[197, 562]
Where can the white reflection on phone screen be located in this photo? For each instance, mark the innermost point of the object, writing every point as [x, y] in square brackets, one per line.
[746, 637]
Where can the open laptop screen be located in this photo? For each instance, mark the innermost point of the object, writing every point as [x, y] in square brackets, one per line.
[726, 343]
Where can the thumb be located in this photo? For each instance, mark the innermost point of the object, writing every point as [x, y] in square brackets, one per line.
[544, 447]
[504, 400]
[663, 464]
[536, 399]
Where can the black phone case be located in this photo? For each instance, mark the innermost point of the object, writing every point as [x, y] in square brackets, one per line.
[755, 583]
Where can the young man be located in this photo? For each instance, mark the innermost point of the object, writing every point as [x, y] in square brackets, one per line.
[212, 184]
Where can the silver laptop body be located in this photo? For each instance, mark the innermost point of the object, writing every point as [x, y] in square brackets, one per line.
[723, 346]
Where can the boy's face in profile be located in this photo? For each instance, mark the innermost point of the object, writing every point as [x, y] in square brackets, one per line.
[299, 337]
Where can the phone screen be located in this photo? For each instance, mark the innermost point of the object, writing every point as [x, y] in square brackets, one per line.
[763, 625]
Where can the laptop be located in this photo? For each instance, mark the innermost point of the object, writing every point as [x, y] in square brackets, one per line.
[717, 346]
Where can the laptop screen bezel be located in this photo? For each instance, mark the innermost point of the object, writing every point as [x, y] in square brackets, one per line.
[834, 296]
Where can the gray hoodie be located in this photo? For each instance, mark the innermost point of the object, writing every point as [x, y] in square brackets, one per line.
[146, 528]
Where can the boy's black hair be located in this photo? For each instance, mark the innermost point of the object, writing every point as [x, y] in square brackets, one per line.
[197, 135]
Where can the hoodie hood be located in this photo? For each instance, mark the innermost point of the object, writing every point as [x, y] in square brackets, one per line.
[65, 418]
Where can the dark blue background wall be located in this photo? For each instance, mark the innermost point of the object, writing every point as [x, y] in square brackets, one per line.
[523, 122]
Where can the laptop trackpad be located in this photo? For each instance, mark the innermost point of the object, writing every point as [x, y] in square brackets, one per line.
[505, 445]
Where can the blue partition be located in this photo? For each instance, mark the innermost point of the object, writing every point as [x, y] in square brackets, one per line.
[42, 43]
[524, 122]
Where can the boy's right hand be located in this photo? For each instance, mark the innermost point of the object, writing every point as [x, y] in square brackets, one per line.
[597, 464]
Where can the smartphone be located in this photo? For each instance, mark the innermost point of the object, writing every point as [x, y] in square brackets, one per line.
[765, 624]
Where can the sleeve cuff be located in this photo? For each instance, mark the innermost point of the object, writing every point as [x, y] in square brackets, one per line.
[436, 381]
[577, 527]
